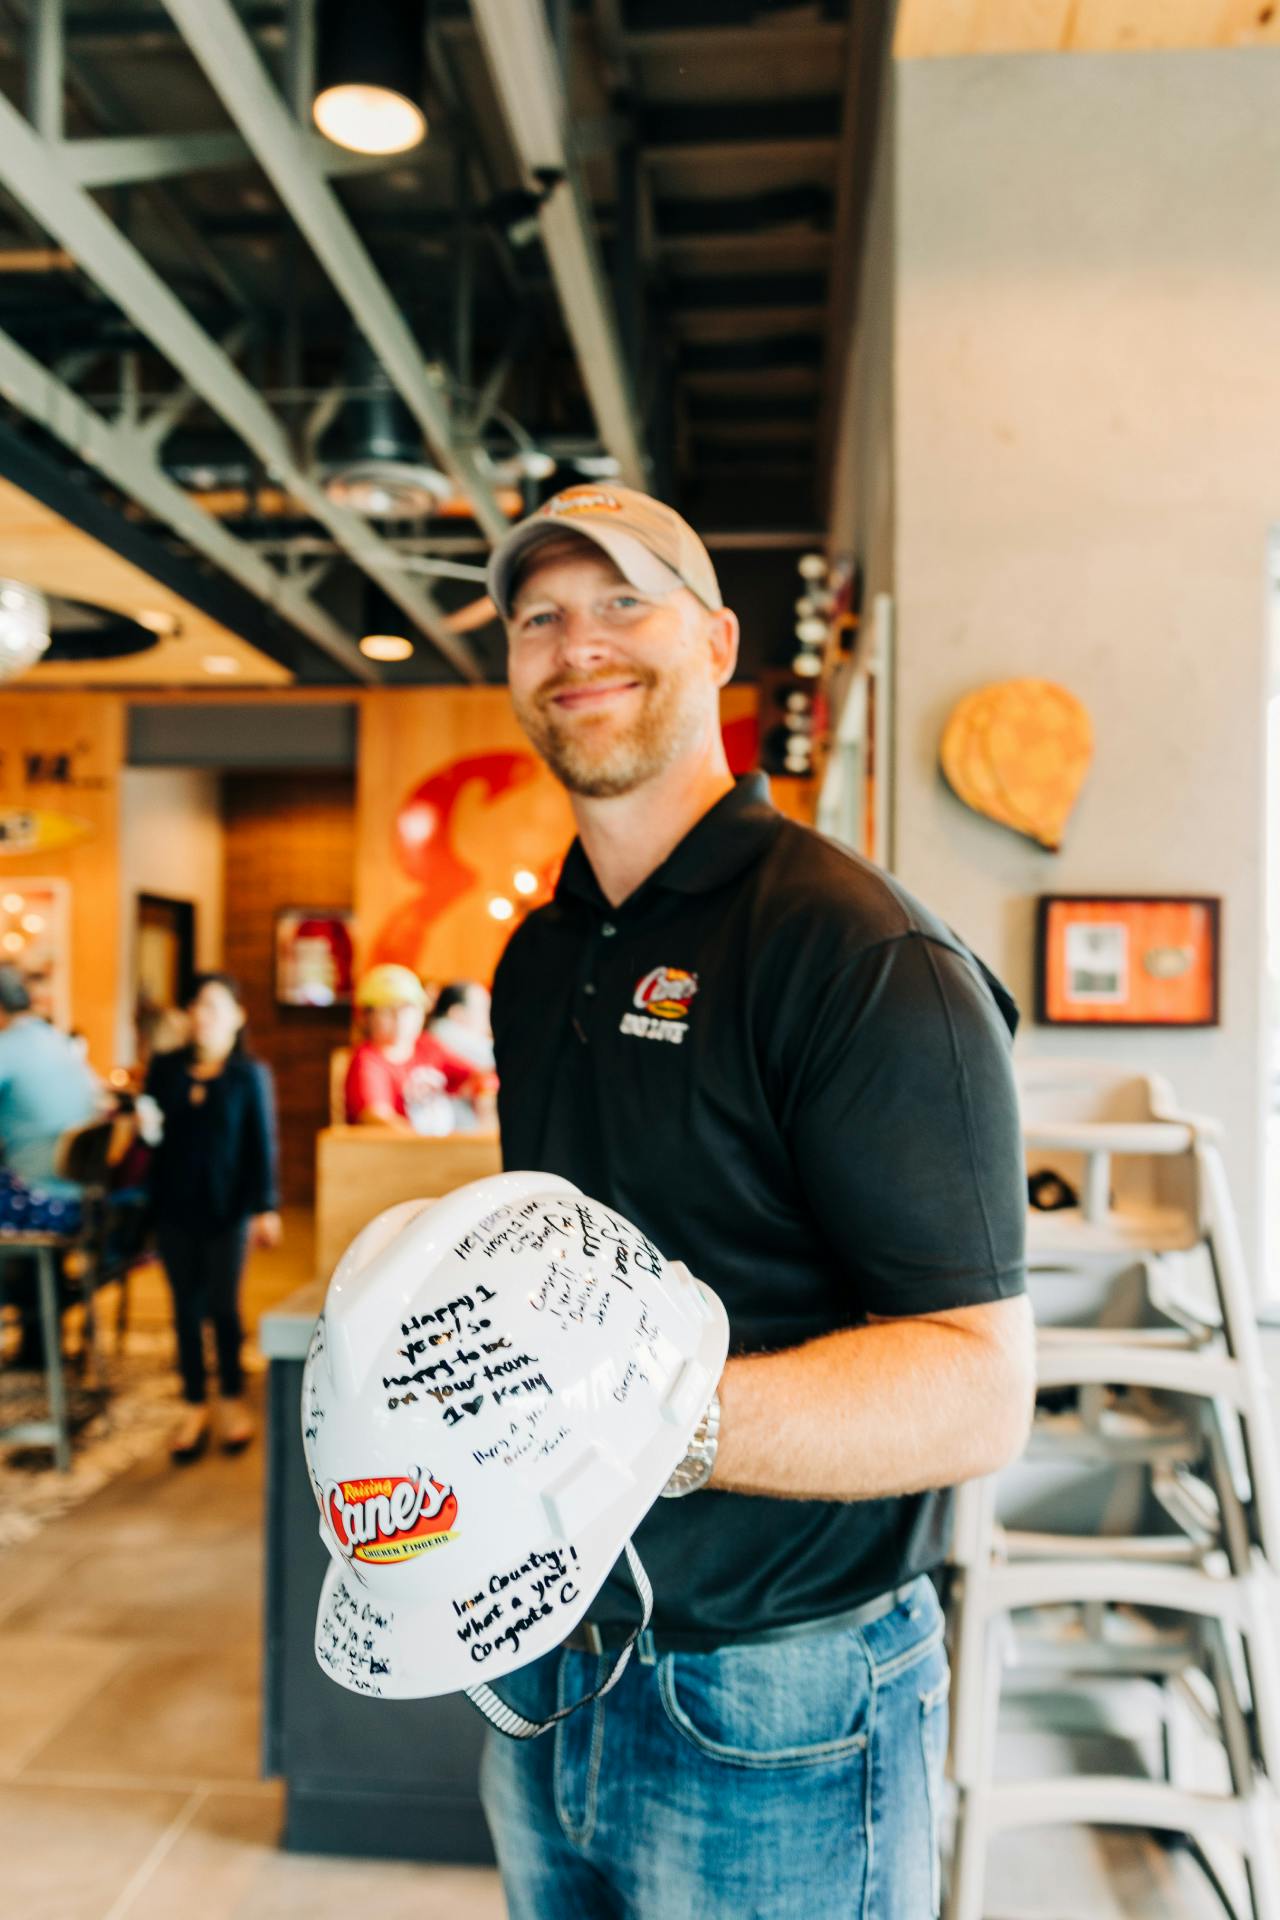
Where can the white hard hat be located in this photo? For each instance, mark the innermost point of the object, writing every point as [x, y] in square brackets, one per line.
[498, 1389]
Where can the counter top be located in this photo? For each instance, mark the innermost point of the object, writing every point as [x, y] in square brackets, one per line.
[285, 1332]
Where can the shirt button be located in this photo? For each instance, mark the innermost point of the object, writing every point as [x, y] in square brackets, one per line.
[608, 929]
[590, 987]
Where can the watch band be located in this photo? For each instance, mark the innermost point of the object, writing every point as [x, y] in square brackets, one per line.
[695, 1469]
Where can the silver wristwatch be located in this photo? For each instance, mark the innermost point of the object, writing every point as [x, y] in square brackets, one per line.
[694, 1470]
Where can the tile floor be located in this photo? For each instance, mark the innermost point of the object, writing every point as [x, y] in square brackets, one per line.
[129, 1670]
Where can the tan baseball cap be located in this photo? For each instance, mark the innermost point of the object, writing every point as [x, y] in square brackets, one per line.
[649, 544]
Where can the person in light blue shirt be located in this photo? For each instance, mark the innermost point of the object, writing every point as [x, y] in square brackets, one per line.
[45, 1087]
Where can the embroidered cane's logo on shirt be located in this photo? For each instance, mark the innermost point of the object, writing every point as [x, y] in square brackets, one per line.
[661, 1000]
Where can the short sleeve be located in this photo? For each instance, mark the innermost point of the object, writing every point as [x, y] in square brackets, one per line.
[902, 1116]
[369, 1084]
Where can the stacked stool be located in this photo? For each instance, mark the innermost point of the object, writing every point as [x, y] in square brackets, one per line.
[1180, 1393]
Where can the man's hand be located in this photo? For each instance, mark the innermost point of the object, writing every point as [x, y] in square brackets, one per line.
[870, 1412]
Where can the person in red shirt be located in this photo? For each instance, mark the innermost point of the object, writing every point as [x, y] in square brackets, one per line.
[399, 1076]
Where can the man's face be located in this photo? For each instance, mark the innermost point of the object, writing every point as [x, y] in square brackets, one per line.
[611, 684]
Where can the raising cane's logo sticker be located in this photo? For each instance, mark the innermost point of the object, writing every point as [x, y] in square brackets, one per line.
[390, 1517]
[666, 992]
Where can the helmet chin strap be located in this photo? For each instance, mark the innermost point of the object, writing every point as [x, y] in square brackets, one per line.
[515, 1726]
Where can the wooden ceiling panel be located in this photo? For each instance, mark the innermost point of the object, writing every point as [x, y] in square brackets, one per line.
[933, 29]
[40, 547]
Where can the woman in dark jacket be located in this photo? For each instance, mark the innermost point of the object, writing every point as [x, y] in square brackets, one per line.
[212, 1183]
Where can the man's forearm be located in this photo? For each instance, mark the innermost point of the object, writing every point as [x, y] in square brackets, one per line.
[890, 1408]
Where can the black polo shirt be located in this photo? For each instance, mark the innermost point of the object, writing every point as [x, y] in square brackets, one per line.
[796, 1079]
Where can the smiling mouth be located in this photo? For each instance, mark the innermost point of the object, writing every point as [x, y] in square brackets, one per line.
[582, 699]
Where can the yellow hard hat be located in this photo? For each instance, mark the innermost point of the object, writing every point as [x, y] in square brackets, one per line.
[391, 986]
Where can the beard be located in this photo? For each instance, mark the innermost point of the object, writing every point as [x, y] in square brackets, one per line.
[594, 755]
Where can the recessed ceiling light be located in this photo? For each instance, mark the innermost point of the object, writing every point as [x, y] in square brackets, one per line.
[156, 620]
[502, 909]
[524, 881]
[220, 663]
[386, 646]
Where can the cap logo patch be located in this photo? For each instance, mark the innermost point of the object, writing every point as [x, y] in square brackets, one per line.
[581, 500]
[390, 1517]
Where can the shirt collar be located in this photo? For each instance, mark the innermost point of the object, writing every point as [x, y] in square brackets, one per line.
[728, 837]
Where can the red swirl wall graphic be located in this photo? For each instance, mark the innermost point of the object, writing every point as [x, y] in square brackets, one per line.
[424, 850]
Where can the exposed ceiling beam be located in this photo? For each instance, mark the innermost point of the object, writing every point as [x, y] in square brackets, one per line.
[105, 107]
[767, 39]
[230, 60]
[734, 291]
[33, 172]
[868, 77]
[526, 75]
[784, 123]
[173, 410]
[780, 210]
[45, 76]
[750, 356]
[118, 453]
[121, 159]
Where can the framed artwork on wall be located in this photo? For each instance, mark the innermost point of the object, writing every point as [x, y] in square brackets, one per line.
[314, 956]
[1127, 960]
[35, 937]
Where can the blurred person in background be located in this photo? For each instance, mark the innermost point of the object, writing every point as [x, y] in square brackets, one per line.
[460, 1023]
[212, 1182]
[400, 1076]
[46, 1090]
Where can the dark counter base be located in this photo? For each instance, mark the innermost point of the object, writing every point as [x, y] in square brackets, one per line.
[391, 1779]
[383, 1826]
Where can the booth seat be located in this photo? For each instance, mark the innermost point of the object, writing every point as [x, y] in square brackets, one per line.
[360, 1171]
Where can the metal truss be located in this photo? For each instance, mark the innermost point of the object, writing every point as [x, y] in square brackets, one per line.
[34, 170]
[122, 455]
[525, 69]
[230, 60]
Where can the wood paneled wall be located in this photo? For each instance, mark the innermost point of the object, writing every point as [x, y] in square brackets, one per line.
[60, 758]
[290, 842]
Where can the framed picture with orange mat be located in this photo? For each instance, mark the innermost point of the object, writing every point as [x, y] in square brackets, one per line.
[1127, 960]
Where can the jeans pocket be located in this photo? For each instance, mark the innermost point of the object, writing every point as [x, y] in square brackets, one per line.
[792, 1703]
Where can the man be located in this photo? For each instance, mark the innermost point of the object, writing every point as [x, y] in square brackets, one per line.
[46, 1089]
[795, 1079]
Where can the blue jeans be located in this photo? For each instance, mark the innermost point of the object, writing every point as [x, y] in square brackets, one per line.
[797, 1780]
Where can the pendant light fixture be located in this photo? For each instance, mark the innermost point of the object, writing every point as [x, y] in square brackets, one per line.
[24, 627]
[371, 74]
